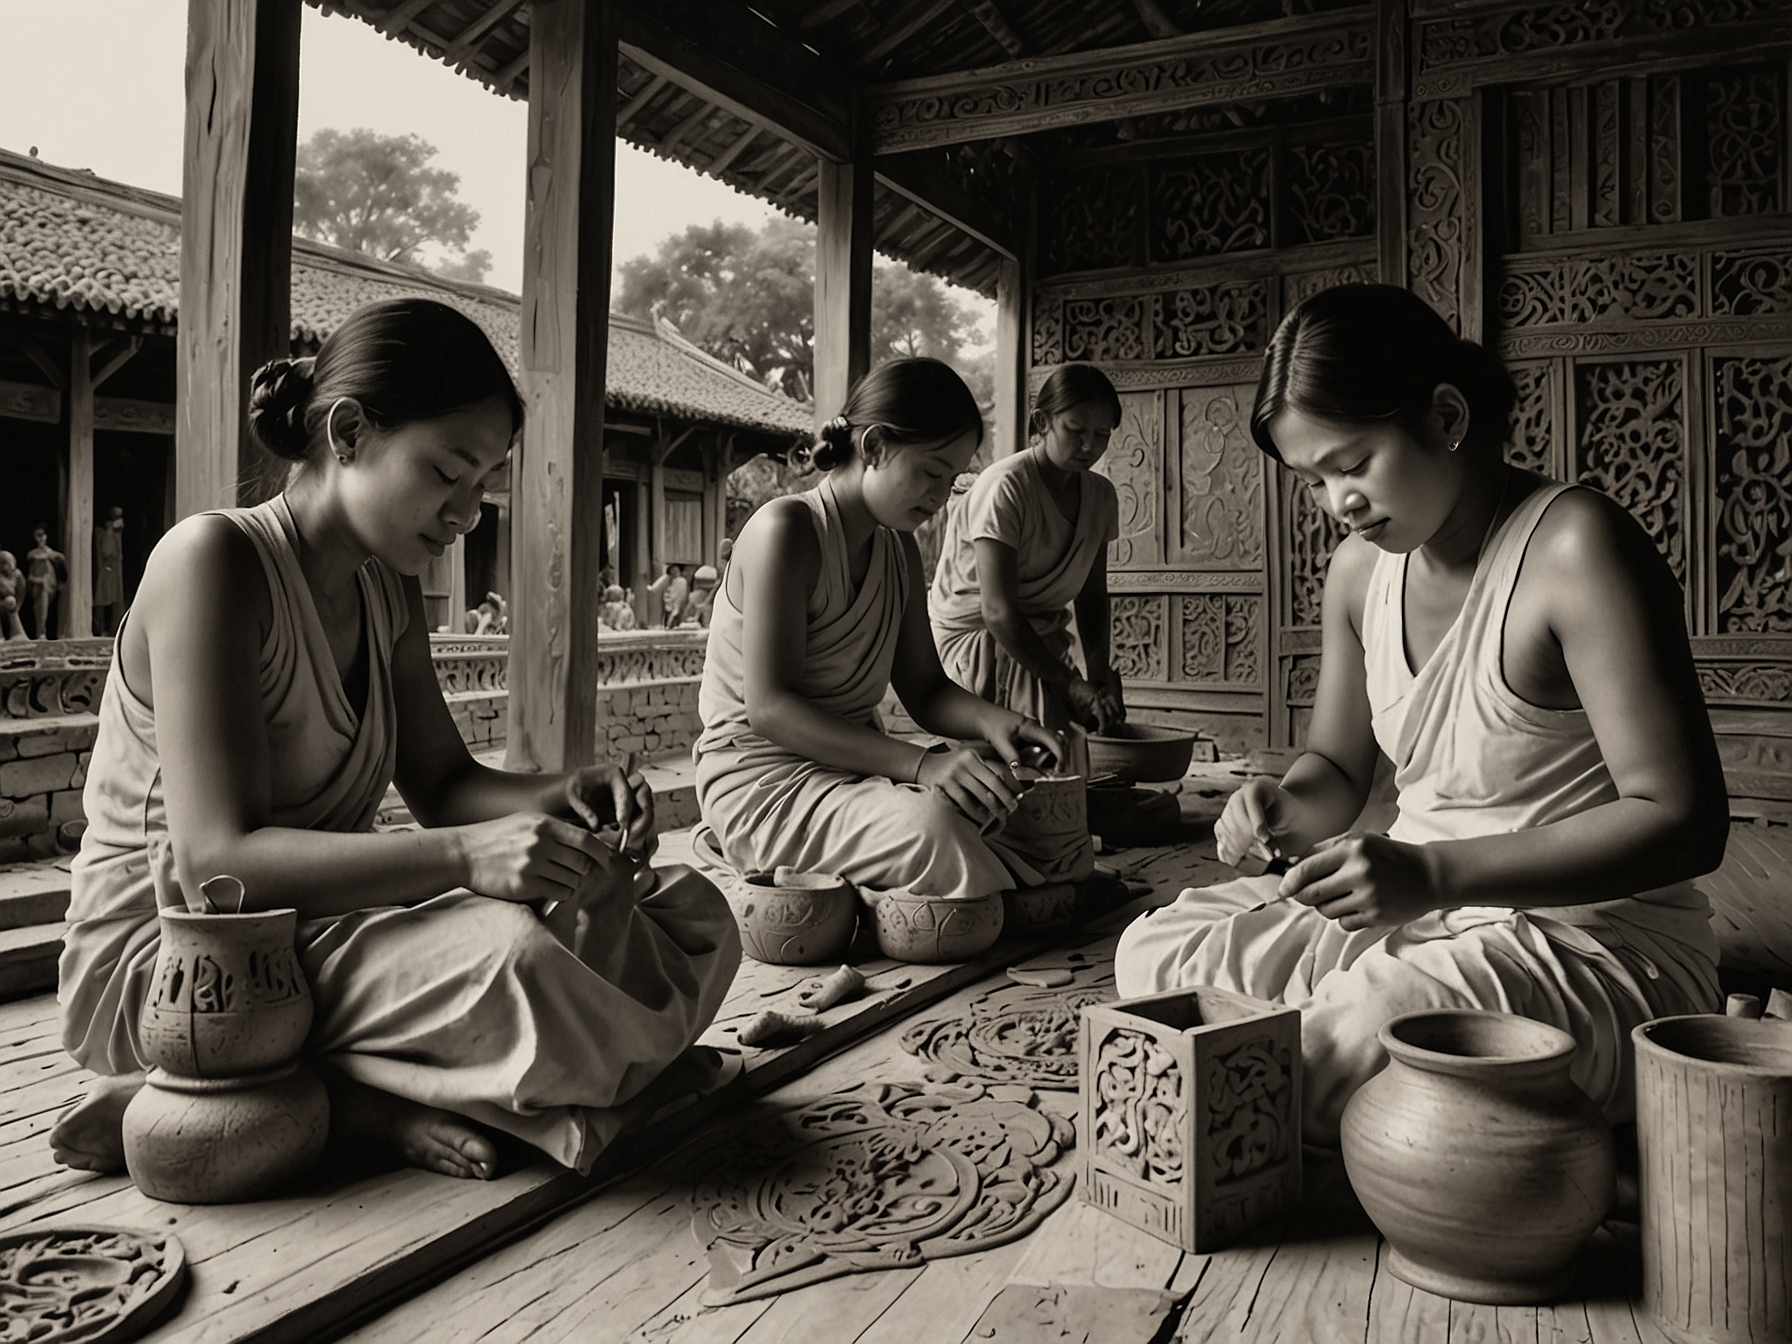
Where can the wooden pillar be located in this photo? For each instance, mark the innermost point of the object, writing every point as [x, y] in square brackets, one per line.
[1010, 428]
[235, 238]
[457, 585]
[644, 573]
[842, 276]
[74, 606]
[501, 552]
[558, 494]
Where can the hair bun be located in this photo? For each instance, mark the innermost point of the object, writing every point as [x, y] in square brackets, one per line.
[279, 396]
[832, 446]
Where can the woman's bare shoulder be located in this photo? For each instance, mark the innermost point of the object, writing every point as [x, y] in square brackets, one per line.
[204, 553]
[780, 533]
[1347, 576]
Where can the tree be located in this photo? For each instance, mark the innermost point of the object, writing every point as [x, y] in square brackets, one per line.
[749, 298]
[377, 194]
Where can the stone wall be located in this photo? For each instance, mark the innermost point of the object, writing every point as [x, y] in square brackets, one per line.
[647, 691]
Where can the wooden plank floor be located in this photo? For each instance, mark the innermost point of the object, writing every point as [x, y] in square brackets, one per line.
[355, 1235]
[624, 1266]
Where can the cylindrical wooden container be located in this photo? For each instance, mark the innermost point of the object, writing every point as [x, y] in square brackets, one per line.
[1714, 1130]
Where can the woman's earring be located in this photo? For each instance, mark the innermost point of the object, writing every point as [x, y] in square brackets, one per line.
[344, 458]
[1455, 444]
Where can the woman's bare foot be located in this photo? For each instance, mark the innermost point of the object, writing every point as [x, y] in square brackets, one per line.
[422, 1136]
[89, 1136]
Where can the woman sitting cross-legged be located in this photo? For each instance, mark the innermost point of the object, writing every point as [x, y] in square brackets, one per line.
[1517, 649]
[821, 610]
[272, 677]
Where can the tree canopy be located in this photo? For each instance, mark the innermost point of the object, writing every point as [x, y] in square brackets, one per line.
[377, 194]
[747, 296]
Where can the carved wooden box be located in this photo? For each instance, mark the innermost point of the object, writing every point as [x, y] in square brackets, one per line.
[1191, 1113]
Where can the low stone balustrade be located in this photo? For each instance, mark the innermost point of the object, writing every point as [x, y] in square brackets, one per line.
[50, 697]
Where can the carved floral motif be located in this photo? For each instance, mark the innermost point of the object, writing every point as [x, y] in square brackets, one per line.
[1141, 1104]
[1303, 679]
[1770, 683]
[1745, 130]
[1137, 649]
[1208, 319]
[86, 1283]
[1632, 444]
[1100, 330]
[1222, 480]
[1093, 220]
[1754, 493]
[1297, 285]
[1435, 205]
[1752, 283]
[1331, 192]
[1641, 287]
[1048, 332]
[1010, 1036]
[1210, 204]
[1134, 463]
[1313, 534]
[1249, 1120]
[1219, 637]
[876, 1177]
[1531, 444]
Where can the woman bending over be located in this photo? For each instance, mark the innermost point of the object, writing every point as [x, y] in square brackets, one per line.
[1516, 648]
[820, 611]
[272, 677]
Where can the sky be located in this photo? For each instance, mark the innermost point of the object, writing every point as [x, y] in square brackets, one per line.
[98, 84]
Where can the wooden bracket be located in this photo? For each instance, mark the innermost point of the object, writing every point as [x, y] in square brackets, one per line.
[117, 355]
[47, 366]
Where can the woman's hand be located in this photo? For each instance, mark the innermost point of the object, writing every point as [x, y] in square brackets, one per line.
[603, 795]
[1110, 701]
[982, 788]
[529, 856]
[1083, 701]
[1255, 820]
[1364, 881]
[1012, 739]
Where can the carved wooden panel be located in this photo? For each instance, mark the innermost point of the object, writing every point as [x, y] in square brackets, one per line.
[1745, 141]
[1630, 441]
[1435, 134]
[1532, 441]
[1303, 679]
[1751, 282]
[1221, 637]
[1048, 331]
[1140, 642]
[1313, 534]
[1217, 319]
[1106, 329]
[1209, 204]
[1220, 479]
[1013, 1034]
[1330, 192]
[1119, 324]
[1637, 287]
[1297, 285]
[1093, 220]
[1134, 463]
[1753, 403]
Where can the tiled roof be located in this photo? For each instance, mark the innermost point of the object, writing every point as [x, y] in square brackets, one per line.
[70, 240]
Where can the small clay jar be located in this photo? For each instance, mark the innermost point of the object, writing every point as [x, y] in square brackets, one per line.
[796, 919]
[229, 996]
[936, 928]
[1483, 1165]
[221, 1141]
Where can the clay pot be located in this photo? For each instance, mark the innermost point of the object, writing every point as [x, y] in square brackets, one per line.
[1046, 909]
[1715, 1162]
[1049, 829]
[1483, 1165]
[229, 998]
[220, 1141]
[796, 919]
[935, 928]
[1140, 752]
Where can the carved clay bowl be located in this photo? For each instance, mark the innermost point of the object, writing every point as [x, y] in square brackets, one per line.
[1142, 753]
[796, 919]
[936, 928]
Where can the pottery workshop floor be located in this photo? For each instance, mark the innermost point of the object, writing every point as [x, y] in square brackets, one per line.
[370, 1254]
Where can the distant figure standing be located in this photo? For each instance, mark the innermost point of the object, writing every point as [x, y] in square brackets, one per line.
[12, 583]
[703, 595]
[674, 590]
[46, 568]
[108, 572]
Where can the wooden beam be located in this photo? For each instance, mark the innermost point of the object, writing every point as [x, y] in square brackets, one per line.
[1011, 359]
[400, 16]
[842, 280]
[462, 45]
[28, 401]
[558, 492]
[627, 112]
[733, 152]
[1265, 60]
[916, 178]
[1156, 22]
[236, 237]
[74, 608]
[996, 24]
[47, 366]
[116, 359]
[918, 18]
[134, 415]
[744, 64]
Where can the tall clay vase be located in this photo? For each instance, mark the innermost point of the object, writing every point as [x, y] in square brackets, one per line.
[1483, 1165]
[228, 1112]
[1714, 1138]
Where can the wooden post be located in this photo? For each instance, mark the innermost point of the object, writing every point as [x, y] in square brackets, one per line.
[644, 574]
[235, 238]
[842, 276]
[558, 493]
[1010, 428]
[74, 607]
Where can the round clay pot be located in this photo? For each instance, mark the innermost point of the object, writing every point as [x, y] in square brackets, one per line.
[1046, 909]
[1483, 1165]
[222, 1141]
[1049, 828]
[1140, 752]
[935, 928]
[796, 919]
[229, 996]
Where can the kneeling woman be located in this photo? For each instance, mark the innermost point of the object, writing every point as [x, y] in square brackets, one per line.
[821, 610]
[273, 677]
[1517, 650]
